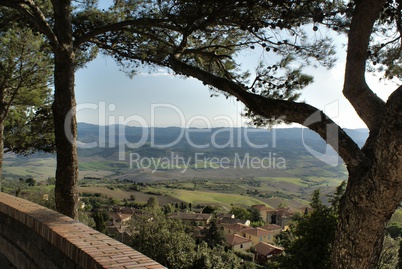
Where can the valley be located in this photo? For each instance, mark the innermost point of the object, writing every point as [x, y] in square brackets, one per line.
[222, 167]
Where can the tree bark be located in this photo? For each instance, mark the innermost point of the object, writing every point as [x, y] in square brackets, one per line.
[64, 113]
[1, 145]
[3, 112]
[372, 195]
[367, 104]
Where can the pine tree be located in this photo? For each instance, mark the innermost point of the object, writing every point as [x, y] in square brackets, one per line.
[25, 93]
[311, 233]
[213, 235]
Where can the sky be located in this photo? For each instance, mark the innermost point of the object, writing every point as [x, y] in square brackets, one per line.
[105, 95]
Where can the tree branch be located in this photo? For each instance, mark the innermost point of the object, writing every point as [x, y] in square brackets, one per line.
[301, 113]
[35, 17]
[367, 104]
[120, 26]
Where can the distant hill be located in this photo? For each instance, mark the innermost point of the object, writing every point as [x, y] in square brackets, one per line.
[173, 152]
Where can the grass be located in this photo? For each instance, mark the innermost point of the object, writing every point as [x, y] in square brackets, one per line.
[40, 169]
[121, 194]
[397, 216]
[102, 165]
[275, 180]
[222, 199]
[335, 182]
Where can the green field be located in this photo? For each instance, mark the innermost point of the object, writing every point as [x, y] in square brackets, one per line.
[213, 198]
[200, 183]
[38, 168]
[121, 194]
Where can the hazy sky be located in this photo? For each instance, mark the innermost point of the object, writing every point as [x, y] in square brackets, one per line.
[105, 95]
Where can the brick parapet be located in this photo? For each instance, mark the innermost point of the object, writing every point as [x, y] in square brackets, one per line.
[32, 236]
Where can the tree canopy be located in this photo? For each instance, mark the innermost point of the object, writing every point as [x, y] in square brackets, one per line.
[25, 93]
[312, 233]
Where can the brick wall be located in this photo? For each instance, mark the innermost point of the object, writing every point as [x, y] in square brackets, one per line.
[33, 237]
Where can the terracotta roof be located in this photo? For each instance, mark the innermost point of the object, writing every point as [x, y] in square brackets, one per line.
[271, 227]
[120, 216]
[258, 232]
[284, 212]
[225, 215]
[235, 239]
[265, 248]
[233, 221]
[238, 227]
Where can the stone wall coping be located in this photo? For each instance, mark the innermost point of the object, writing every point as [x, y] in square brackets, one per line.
[85, 246]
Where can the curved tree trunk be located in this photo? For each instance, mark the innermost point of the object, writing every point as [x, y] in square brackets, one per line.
[2, 119]
[1, 149]
[372, 195]
[364, 212]
[64, 113]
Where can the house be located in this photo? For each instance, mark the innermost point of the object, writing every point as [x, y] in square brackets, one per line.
[238, 228]
[275, 229]
[225, 215]
[258, 234]
[238, 243]
[280, 216]
[193, 219]
[263, 209]
[264, 251]
[226, 220]
[271, 227]
[118, 217]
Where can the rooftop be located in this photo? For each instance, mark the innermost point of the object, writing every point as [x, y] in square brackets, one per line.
[235, 239]
[265, 248]
[261, 207]
[258, 232]
[238, 227]
[271, 227]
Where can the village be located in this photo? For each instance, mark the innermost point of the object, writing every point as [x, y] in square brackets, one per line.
[239, 234]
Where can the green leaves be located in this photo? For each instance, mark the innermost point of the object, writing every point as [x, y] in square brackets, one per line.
[168, 242]
[385, 51]
[313, 234]
[215, 258]
[164, 240]
[213, 235]
[240, 212]
[25, 91]
[28, 130]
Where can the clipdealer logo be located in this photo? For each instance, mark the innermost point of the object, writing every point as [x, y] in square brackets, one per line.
[200, 161]
[237, 138]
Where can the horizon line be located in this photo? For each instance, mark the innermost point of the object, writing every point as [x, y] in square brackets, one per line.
[216, 127]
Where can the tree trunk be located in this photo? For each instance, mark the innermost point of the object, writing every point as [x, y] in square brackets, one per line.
[1, 150]
[361, 225]
[373, 193]
[64, 113]
[2, 119]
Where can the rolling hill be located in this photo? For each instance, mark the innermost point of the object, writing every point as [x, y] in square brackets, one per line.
[220, 165]
[166, 153]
